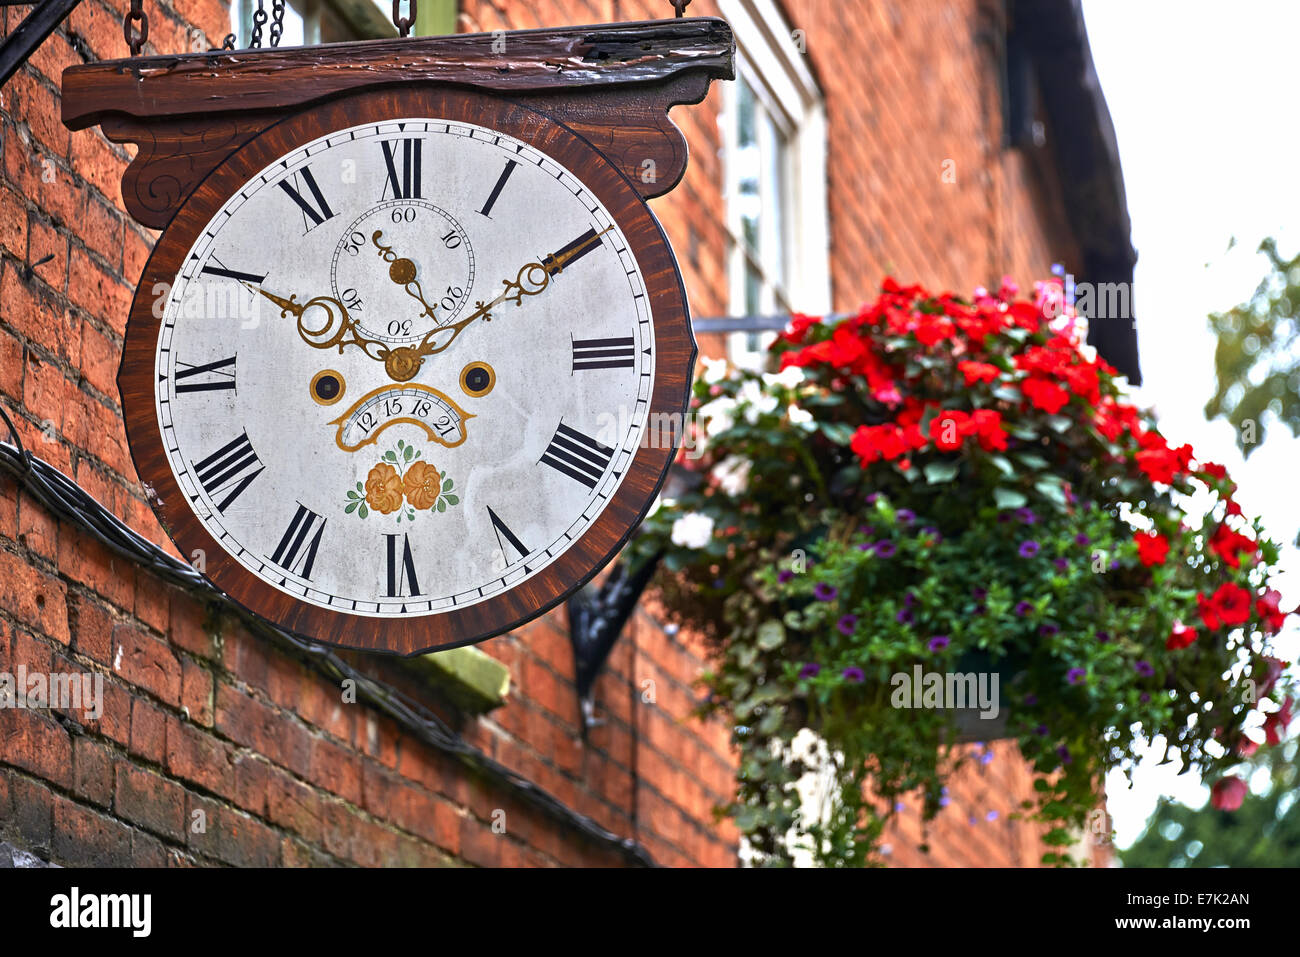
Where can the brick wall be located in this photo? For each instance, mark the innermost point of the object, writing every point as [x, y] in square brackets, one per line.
[203, 715]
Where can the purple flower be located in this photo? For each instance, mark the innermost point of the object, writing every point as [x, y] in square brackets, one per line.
[909, 599]
[1144, 697]
[1144, 668]
[824, 592]
[1041, 730]
[1061, 564]
[847, 624]
[1083, 539]
[1103, 636]
[906, 516]
[853, 674]
[1075, 675]
[979, 594]
[979, 610]
[810, 670]
[1023, 608]
[1028, 548]
[866, 546]
[872, 498]
[1026, 515]
[1047, 629]
[885, 549]
[866, 529]
[933, 532]
[905, 616]
[1031, 699]
[1064, 752]
[784, 575]
[939, 642]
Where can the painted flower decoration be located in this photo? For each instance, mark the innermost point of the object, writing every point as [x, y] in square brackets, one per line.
[384, 489]
[421, 485]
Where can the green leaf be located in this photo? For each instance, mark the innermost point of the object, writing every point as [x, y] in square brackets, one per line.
[351, 508]
[390, 457]
[1033, 461]
[839, 432]
[409, 453]
[1059, 423]
[360, 487]
[771, 635]
[363, 511]
[937, 472]
[1008, 393]
[448, 485]
[452, 499]
[1004, 464]
[1051, 488]
[1009, 498]
[442, 506]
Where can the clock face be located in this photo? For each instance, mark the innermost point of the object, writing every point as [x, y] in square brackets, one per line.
[403, 368]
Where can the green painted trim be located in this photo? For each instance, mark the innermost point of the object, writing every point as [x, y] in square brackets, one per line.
[469, 678]
[434, 18]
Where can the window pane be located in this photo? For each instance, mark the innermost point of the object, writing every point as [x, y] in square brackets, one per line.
[749, 167]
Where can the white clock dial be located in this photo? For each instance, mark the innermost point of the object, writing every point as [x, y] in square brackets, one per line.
[404, 368]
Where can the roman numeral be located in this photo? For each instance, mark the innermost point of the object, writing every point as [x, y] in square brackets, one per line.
[578, 456]
[401, 571]
[504, 535]
[406, 182]
[219, 377]
[230, 469]
[604, 353]
[297, 551]
[568, 255]
[496, 190]
[220, 270]
[317, 212]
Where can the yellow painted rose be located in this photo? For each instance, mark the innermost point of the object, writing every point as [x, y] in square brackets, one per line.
[384, 489]
[422, 485]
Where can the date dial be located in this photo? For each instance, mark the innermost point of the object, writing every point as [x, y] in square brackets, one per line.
[402, 268]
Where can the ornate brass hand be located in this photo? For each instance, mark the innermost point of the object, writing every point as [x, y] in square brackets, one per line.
[529, 281]
[340, 329]
[402, 272]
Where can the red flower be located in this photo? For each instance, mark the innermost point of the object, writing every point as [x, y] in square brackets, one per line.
[1180, 637]
[1228, 793]
[798, 327]
[1214, 470]
[1277, 722]
[1044, 395]
[1231, 508]
[987, 425]
[1230, 545]
[1209, 614]
[1153, 548]
[1266, 606]
[1273, 668]
[872, 442]
[1232, 604]
[977, 371]
[948, 429]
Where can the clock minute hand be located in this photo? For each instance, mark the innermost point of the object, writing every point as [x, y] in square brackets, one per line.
[531, 279]
[338, 327]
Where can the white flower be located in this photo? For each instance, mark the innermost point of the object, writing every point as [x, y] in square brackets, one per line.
[789, 377]
[717, 415]
[732, 474]
[755, 401]
[799, 416]
[715, 370]
[692, 531]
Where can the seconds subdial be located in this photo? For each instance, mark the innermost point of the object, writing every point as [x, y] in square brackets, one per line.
[403, 268]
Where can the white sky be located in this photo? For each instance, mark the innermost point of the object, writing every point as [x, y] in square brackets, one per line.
[1200, 93]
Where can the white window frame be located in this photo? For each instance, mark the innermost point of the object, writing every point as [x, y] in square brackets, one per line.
[776, 69]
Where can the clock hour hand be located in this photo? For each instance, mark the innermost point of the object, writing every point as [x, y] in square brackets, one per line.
[531, 279]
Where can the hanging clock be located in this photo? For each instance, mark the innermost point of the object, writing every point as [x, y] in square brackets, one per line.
[410, 360]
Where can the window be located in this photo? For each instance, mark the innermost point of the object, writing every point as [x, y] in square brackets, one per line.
[774, 143]
[315, 21]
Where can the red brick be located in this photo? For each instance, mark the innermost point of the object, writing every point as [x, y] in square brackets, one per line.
[100, 357]
[231, 837]
[45, 240]
[35, 101]
[84, 838]
[197, 692]
[36, 743]
[150, 801]
[11, 366]
[92, 771]
[97, 291]
[148, 662]
[33, 311]
[188, 629]
[197, 757]
[336, 770]
[33, 597]
[148, 731]
[37, 529]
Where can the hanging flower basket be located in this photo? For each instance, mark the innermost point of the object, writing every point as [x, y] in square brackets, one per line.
[937, 488]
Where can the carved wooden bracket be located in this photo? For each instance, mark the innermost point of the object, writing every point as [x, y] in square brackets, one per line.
[611, 84]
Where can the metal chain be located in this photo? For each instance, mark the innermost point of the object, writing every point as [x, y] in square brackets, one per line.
[259, 18]
[135, 35]
[402, 23]
[680, 6]
[277, 21]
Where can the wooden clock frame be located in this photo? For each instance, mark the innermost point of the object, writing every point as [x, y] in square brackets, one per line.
[593, 98]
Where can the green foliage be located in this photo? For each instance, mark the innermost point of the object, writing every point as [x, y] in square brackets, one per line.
[1257, 364]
